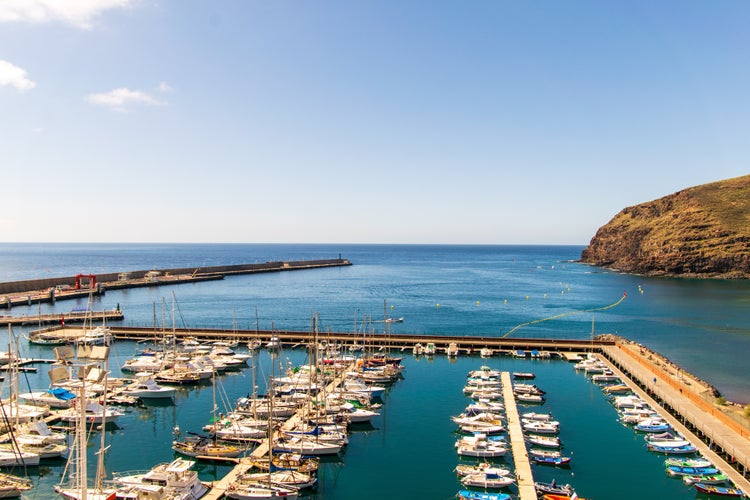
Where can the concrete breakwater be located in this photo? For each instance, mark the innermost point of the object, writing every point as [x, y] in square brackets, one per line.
[29, 292]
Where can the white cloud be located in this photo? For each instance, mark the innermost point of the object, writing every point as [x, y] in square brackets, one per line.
[79, 13]
[164, 87]
[12, 75]
[120, 99]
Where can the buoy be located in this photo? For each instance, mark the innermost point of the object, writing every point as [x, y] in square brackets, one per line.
[505, 301]
[545, 295]
[437, 305]
[477, 302]
[527, 297]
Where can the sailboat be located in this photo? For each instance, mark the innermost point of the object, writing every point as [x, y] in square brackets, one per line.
[75, 482]
[264, 485]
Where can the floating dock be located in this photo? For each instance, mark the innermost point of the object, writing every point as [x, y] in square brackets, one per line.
[524, 476]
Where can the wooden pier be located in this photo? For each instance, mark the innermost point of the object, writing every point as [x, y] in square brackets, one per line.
[524, 476]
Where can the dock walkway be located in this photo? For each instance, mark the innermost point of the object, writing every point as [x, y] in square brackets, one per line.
[696, 419]
[524, 476]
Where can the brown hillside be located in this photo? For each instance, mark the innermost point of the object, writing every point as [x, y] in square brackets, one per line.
[700, 231]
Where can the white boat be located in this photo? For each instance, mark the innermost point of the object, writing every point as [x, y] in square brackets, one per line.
[98, 336]
[147, 388]
[430, 349]
[480, 446]
[542, 417]
[466, 470]
[540, 427]
[175, 480]
[418, 349]
[487, 480]
[357, 387]
[529, 398]
[94, 414]
[452, 350]
[545, 441]
[486, 352]
[45, 398]
[38, 432]
[18, 458]
[13, 486]
[260, 491]
[305, 446]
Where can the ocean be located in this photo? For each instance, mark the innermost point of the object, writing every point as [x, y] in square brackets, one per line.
[523, 291]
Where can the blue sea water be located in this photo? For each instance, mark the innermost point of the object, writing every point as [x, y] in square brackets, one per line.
[701, 325]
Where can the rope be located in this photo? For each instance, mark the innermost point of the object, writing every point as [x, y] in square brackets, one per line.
[569, 313]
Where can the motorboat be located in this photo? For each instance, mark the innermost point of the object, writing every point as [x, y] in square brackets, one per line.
[174, 480]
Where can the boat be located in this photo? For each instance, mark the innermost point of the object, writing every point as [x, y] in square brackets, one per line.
[676, 470]
[544, 453]
[13, 486]
[486, 352]
[429, 349]
[552, 488]
[540, 427]
[529, 398]
[480, 446]
[147, 388]
[467, 470]
[542, 417]
[95, 414]
[487, 479]
[174, 481]
[545, 441]
[683, 449]
[527, 389]
[707, 479]
[654, 425]
[203, 447]
[688, 462]
[418, 349]
[524, 375]
[721, 491]
[547, 460]
[481, 495]
[452, 350]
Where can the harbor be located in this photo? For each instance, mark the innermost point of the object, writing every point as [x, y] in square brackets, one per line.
[414, 425]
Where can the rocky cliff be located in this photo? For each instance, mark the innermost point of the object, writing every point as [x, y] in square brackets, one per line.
[703, 231]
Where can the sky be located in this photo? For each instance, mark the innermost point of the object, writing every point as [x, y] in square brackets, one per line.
[358, 121]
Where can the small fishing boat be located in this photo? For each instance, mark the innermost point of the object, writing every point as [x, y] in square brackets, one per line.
[481, 495]
[552, 488]
[707, 479]
[655, 425]
[545, 441]
[542, 417]
[467, 470]
[524, 375]
[487, 480]
[480, 446]
[554, 496]
[722, 491]
[529, 398]
[555, 461]
[676, 470]
[684, 449]
[688, 462]
[540, 427]
[544, 453]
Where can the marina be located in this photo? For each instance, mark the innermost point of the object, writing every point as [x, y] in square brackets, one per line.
[399, 435]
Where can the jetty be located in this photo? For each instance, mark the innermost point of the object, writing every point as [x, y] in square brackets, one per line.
[62, 318]
[524, 476]
[27, 292]
[682, 401]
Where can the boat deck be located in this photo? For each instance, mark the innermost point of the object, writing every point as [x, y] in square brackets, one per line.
[524, 476]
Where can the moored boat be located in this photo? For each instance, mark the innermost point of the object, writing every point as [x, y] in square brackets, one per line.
[482, 495]
[722, 491]
[706, 479]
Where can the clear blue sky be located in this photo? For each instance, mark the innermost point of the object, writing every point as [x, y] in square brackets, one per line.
[361, 121]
